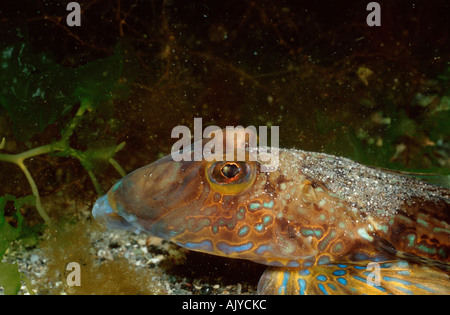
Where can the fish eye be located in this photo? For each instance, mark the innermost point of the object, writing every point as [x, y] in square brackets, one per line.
[230, 170]
[230, 177]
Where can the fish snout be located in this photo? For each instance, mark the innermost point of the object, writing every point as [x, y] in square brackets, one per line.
[105, 214]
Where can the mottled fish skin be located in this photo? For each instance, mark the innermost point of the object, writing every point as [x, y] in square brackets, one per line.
[314, 210]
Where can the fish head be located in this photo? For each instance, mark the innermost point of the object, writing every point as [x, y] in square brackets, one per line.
[218, 205]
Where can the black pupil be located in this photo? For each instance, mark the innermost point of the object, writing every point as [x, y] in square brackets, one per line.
[230, 170]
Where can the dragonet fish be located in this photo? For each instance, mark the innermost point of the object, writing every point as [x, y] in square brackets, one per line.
[322, 224]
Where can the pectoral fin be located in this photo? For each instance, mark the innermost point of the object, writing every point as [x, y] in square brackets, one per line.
[396, 277]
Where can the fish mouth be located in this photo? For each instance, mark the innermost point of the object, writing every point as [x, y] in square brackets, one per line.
[105, 214]
[147, 200]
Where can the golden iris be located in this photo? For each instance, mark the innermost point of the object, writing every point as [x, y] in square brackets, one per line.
[230, 178]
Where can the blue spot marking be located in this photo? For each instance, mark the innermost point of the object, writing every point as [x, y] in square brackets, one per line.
[342, 281]
[307, 264]
[243, 230]
[386, 265]
[254, 206]
[332, 287]
[302, 286]
[267, 219]
[359, 267]
[404, 282]
[304, 272]
[324, 260]
[402, 264]
[342, 266]
[365, 281]
[322, 288]
[321, 278]
[283, 286]
[406, 291]
[259, 227]
[339, 272]
[379, 288]
[229, 249]
[360, 279]
[293, 263]
[379, 258]
[421, 286]
[269, 204]
[205, 245]
[404, 272]
[361, 256]
[262, 249]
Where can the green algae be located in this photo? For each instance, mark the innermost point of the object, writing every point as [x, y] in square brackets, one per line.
[68, 242]
[10, 276]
